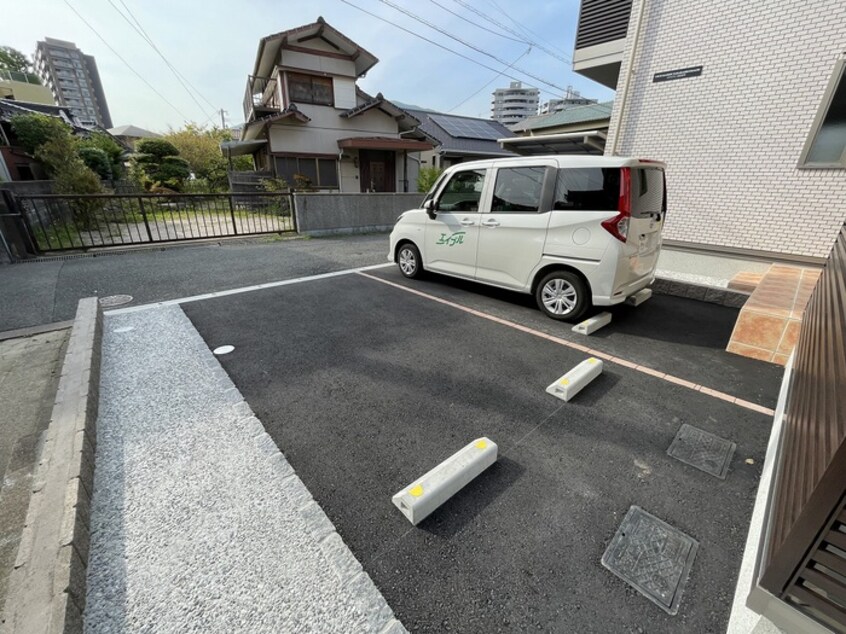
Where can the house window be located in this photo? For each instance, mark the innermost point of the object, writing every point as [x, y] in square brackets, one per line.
[826, 145]
[311, 89]
[320, 172]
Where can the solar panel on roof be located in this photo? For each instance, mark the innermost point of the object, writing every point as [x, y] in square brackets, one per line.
[468, 128]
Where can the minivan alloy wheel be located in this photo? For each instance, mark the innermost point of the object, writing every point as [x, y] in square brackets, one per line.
[407, 261]
[559, 296]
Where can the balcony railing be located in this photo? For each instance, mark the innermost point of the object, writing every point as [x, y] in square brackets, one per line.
[13, 75]
[261, 95]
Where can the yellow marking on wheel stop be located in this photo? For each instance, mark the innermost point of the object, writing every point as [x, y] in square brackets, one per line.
[481, 444]
[564, 381]
[593, 360]
[416, 491]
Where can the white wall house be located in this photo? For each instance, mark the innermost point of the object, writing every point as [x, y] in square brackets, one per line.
[305, 116]
[745, 101]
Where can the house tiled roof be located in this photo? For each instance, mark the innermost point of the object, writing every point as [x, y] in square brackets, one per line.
[133, 131]
[453, 144]
[577, 114]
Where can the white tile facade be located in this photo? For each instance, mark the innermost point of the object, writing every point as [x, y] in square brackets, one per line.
[732, 137]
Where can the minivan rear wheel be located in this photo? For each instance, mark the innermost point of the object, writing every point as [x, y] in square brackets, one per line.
[408, 260]
[562, 295]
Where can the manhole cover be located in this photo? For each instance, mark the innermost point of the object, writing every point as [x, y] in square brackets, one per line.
[115, 300]
[653, 557]
[703, 450]
[223, 350]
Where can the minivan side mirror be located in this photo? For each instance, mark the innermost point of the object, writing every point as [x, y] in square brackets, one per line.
[431, 208]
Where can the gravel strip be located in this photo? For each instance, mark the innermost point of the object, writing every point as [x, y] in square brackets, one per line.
[198, 522]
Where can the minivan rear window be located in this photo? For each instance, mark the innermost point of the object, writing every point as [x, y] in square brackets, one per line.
[587, 189]
[647, 191]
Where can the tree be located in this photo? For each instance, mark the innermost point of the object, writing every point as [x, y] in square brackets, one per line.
[201, 148]
[12, 59]
[161, 164]
[33, 130]
[427, 177]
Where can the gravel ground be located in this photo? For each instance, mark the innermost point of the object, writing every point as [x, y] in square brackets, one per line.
[198, 522]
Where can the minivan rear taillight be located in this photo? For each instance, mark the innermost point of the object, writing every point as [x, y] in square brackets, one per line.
[618, 226]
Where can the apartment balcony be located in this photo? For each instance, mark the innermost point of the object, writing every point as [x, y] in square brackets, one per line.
[601, 39]
[261, 98]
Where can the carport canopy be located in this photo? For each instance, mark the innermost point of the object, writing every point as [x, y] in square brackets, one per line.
[588, 142]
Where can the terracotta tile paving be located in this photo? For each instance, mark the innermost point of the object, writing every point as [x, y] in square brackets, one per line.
[768, 325]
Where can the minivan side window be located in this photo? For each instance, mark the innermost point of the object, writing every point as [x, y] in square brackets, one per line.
[587, 189]
[463, 191]
[518, 189]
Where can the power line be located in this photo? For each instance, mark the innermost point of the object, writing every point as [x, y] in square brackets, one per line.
[477, 25]
[128, 65]
[179, 77]
[529, 33]
[497, 76]
[467, 44]
[504, 27]
[438, 44]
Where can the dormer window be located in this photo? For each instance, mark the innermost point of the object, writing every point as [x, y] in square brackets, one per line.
[311, 89]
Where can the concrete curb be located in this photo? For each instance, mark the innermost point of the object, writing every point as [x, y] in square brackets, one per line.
[710, 294]
[47, 585]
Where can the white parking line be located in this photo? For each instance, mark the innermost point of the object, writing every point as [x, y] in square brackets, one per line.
[591, 351]
[244, 289]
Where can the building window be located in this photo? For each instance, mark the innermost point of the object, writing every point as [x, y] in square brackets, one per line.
[826, 145]
[320, 172]
[311, 89]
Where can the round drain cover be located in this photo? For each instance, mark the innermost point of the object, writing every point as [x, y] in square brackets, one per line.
[115, 300]
[223, 350]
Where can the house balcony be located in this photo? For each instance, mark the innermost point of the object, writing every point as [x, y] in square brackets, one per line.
[261, 98]
[601, 39]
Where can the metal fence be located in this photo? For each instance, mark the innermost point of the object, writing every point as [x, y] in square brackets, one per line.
[805, 551]
[58, 222]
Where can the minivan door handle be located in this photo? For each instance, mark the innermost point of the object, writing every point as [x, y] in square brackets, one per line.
[491, 222]
[466, 222]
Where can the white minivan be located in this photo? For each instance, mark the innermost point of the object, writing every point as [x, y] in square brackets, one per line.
[574, 231]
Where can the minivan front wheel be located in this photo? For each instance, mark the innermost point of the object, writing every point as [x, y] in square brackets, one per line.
[408, 260]
[562, 295]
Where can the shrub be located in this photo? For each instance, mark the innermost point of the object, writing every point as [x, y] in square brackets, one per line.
[274, 185]
[113, 150]
[427, 177]
[98, 161]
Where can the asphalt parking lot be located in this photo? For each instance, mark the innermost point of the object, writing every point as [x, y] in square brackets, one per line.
[364, 387]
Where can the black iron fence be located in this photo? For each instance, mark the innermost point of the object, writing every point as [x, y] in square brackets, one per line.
[58, 222]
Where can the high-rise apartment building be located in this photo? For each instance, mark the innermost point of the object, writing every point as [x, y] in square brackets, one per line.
[73, 79]
[515, 103]
[571, 98]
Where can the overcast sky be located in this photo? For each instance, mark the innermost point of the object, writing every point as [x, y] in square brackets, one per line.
[213, 43]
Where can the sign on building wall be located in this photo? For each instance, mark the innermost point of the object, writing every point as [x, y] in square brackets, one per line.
[679, 73]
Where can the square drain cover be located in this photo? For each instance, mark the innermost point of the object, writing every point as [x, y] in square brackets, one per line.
[703, 450]
[651, 556]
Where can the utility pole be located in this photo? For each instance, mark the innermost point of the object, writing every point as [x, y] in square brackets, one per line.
[222, 118]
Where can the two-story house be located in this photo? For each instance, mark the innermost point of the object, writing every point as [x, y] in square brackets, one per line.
[305, 116]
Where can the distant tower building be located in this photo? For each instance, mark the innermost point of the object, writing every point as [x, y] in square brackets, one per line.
[571, 98]
[73, 79]
[515, 103]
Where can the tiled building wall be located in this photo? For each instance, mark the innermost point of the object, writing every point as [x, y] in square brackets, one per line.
[732, 137]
